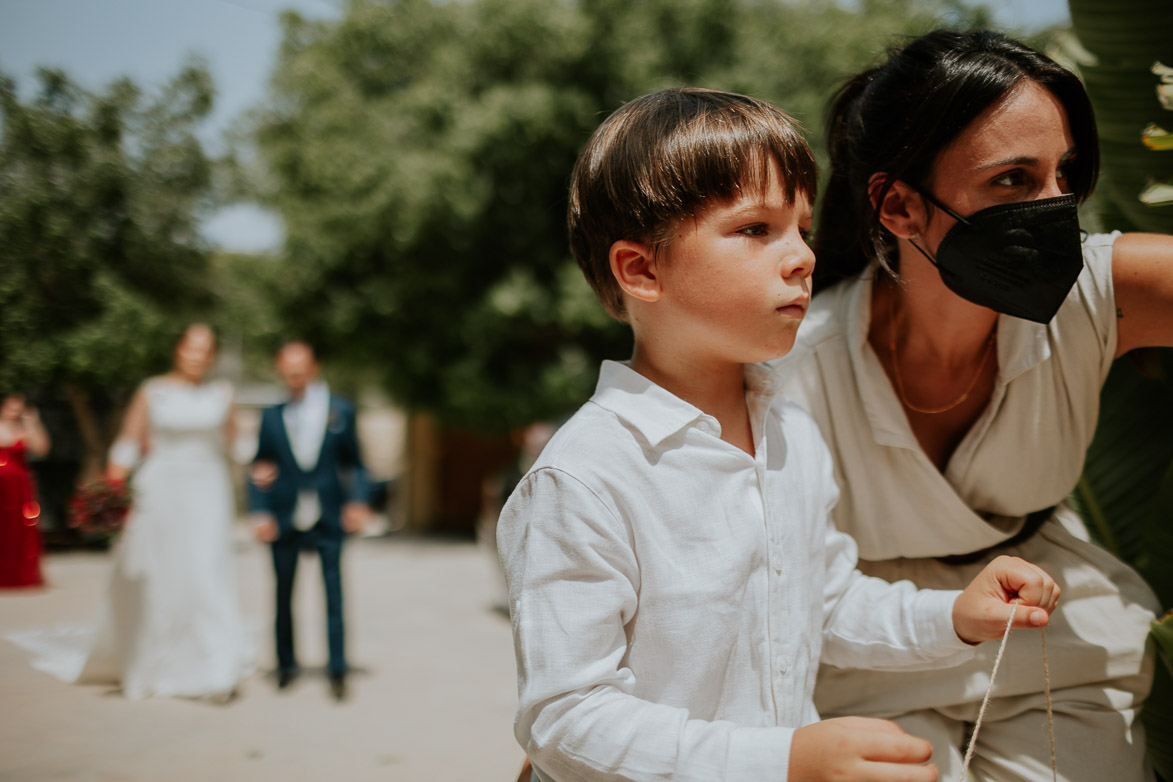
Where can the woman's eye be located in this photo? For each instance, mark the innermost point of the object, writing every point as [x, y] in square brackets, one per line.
[1010, 179]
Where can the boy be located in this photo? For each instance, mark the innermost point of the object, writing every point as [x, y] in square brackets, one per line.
[673, 574]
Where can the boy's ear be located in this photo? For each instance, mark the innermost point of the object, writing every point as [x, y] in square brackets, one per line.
[634, 266]
[901, 210]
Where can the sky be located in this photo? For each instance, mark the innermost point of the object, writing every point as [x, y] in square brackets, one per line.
[98, 41]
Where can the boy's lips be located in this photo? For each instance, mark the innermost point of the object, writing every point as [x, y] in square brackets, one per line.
[798, 306]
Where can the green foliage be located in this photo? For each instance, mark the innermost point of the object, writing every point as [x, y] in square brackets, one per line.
[1119, 40]
[246, 289]
[1126, 491]
[420, 151]
[98, 201]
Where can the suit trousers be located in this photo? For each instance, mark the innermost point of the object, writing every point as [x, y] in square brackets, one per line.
[286, 551]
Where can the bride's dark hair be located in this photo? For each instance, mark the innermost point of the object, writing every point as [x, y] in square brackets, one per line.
[897, 118]
[195, 327]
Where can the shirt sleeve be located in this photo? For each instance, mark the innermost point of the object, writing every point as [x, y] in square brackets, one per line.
[875, 624]
[1095, 291]
[573, 583]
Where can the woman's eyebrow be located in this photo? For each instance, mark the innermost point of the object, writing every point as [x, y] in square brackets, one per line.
[1010, 161]
[1023, 160]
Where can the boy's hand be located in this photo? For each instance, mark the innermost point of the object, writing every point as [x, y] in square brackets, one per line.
[980, 613]
[861, 749]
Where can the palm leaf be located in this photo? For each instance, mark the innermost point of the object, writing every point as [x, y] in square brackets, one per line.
[1126, 492]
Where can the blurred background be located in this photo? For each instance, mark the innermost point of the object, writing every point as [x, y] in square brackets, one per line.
[386, 179]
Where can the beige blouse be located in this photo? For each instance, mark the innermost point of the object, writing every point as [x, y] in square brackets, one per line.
[1025, 453]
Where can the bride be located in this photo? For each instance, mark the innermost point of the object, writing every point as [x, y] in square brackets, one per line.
[171, 624]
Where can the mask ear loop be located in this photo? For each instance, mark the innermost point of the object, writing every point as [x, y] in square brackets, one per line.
[919, 249]
[933, 200]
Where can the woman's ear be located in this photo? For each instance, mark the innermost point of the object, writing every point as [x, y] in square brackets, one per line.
[634, 267]
[900, 208]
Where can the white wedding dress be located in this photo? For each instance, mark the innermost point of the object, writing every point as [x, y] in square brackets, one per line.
[171, 623]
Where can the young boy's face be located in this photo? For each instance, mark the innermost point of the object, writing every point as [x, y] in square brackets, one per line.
[736, 276]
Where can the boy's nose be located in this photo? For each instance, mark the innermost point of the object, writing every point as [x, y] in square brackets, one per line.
[801, 263]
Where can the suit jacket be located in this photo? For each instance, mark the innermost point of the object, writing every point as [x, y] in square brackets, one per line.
[338, 477]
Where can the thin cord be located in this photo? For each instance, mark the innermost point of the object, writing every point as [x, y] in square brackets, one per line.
[1050, 714]
[986, 701]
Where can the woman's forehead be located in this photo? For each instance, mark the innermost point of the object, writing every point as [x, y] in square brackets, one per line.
[1029, 122]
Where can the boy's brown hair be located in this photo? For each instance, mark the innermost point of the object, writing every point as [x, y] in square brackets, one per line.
[665, 156]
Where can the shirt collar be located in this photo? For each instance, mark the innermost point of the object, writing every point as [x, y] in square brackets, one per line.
[314, 392]
[657, 414]
[1022, 345]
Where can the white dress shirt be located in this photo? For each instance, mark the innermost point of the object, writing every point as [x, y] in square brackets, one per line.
[671, 594]
[305, 424]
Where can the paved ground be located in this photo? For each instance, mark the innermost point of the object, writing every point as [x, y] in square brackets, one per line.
[432, 696]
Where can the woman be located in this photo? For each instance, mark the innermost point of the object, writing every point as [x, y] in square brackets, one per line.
[171, 624]
[953, 357]
[21, 436]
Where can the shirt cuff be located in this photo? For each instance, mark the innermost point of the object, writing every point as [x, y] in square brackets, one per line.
[760, 753]
[937, 635]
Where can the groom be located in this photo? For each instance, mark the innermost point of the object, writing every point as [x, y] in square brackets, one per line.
[307, 489]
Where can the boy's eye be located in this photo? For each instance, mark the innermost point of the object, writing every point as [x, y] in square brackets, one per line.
[757, 229]
[805, 233]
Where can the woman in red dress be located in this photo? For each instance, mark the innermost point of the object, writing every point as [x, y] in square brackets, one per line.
[21, 436]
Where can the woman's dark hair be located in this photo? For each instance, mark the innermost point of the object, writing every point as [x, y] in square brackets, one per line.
[899, 116]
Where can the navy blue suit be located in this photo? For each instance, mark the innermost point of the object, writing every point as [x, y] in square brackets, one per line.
[338, 477]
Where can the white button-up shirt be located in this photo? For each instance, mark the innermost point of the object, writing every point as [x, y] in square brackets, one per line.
[305, 424]
[671, 594]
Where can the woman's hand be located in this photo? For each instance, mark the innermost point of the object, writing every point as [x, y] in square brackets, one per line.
[265, 527]
[859, 748]
[980, 612]
[35, 436]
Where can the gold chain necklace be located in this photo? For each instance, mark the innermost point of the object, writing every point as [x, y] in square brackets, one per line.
[900, 381]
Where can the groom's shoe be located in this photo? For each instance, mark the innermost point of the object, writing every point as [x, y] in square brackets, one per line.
[285, 678]
[338, 686]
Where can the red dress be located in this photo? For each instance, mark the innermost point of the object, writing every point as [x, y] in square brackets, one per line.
[20, 540]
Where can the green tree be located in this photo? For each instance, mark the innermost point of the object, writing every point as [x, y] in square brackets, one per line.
[99, 197]
[419, 153]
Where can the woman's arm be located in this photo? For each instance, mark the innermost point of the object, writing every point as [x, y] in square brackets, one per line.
[1142, 270]
[132, 439]
[36, 439]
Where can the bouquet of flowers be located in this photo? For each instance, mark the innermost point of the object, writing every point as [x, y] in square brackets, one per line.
[100, 507]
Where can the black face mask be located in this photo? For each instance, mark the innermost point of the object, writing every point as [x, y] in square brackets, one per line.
[1020, 259]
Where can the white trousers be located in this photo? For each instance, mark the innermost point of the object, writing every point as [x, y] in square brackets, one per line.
[1100, 669]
